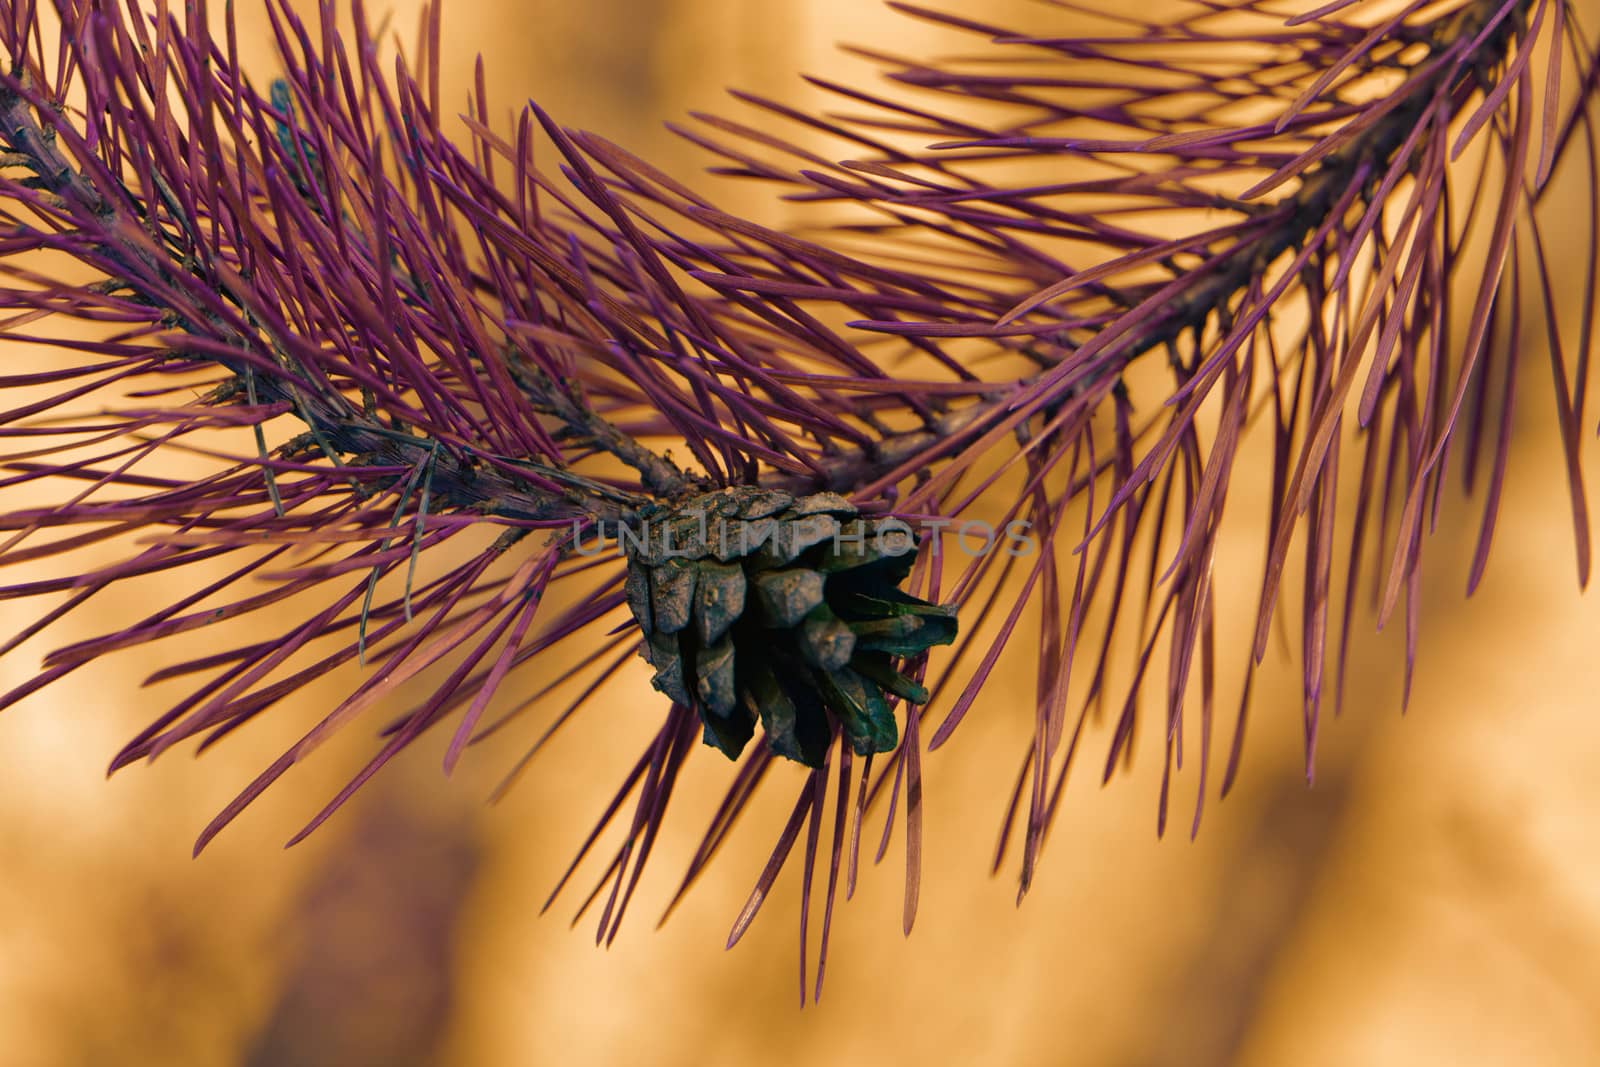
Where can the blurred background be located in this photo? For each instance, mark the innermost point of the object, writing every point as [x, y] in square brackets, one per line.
[1434, 897]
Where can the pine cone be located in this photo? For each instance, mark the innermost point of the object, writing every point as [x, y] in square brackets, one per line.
[758, 605]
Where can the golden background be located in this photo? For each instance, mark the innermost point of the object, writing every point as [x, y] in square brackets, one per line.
[1435, 898]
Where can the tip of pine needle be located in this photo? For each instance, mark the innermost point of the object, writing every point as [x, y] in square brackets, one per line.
[205, 838]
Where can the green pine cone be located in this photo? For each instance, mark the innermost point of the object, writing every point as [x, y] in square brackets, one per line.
[756, 605]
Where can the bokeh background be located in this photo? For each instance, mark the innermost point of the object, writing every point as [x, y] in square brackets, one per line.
[1433, 898]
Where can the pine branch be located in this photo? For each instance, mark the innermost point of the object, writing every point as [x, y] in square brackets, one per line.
[465, 344]
[465, 477]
